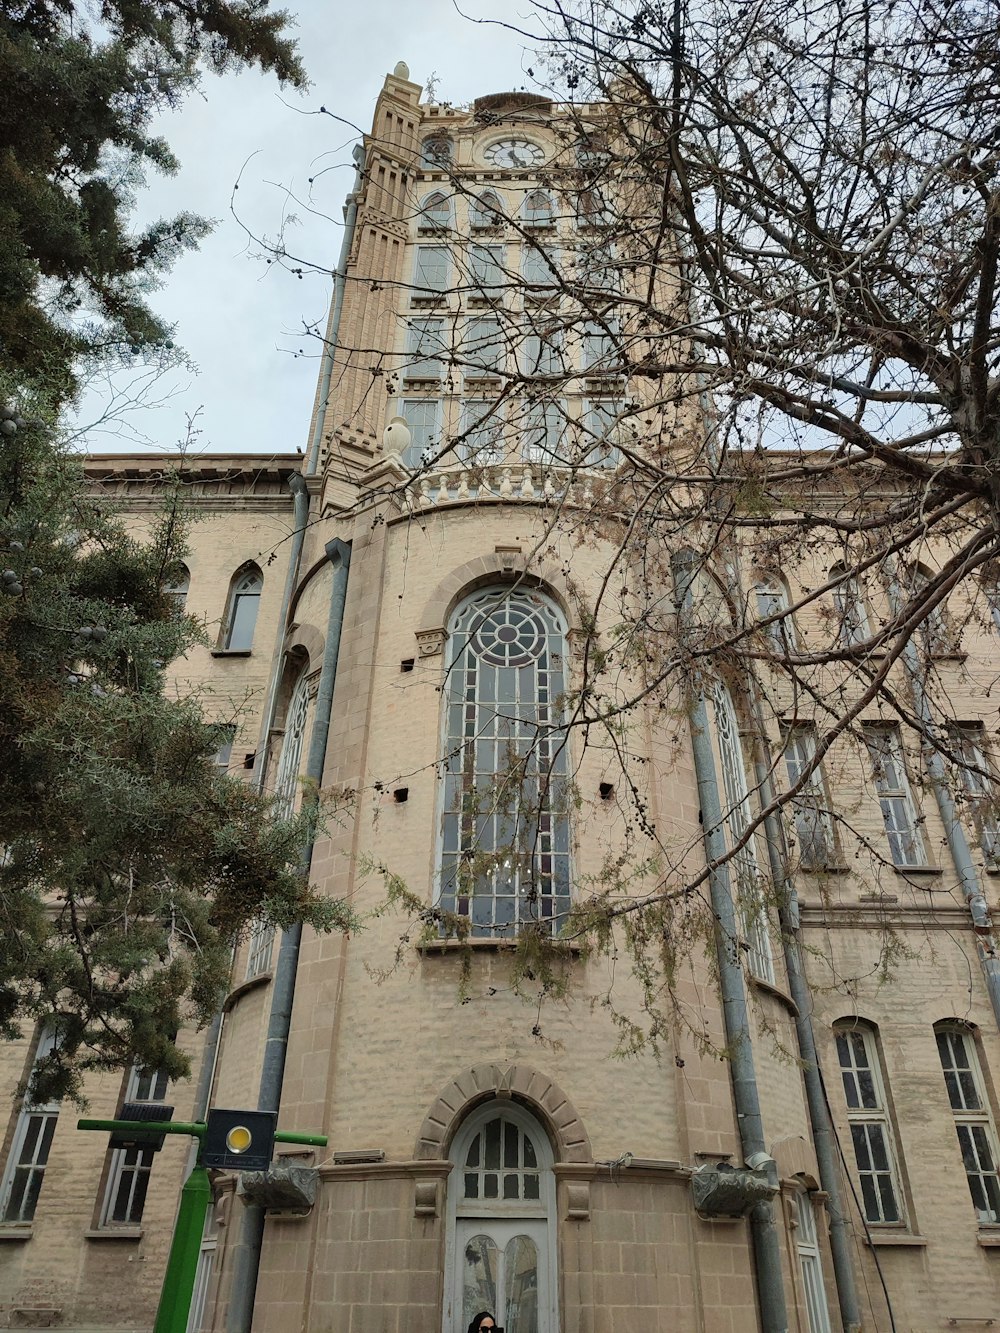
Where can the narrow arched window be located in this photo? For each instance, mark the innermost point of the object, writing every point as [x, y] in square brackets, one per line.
[537, 210]
[771, 597]
[505, 824]
[435, 213]
[977, 1136]
[286, 781]
[811, 1263]
[852, 611]
[501, 1220]
[176, 588]
[868, 1117]
[751, 905]
[485, 211]
[241, 614]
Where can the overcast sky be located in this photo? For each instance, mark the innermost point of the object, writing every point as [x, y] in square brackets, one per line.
[237, 318]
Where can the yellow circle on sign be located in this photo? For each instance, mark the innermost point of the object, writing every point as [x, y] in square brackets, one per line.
[238, 1139]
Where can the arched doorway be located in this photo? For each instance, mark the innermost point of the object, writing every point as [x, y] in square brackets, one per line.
[501, 1223]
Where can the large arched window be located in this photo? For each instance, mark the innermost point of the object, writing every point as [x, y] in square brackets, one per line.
[537, 210]
[501, 1217]
[505, 825]
[241, 612]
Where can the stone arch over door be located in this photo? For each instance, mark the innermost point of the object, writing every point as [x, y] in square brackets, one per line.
[539, 1093]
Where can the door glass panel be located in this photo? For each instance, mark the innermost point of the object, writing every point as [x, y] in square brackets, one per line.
[479, 1288]
[521, 1285]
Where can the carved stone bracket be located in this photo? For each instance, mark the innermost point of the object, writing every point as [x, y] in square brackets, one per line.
[426, 1198]
[430, 642]
[578, 1200]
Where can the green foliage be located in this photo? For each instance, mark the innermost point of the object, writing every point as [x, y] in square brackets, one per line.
[132, 865]
[74, 128]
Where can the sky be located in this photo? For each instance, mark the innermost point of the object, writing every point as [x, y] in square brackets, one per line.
[237, 318]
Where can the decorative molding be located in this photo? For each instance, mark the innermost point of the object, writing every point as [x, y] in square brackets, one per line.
[578, 1201]
[430, 642]
[531, 1088]
[426, 1198]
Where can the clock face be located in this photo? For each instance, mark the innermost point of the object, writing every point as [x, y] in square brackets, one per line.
[514, 153]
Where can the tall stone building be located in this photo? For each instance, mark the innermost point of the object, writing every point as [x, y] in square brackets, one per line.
[404, 615]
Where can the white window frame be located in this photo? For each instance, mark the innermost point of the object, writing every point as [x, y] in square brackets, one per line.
[981, 792]
[811, 1264]
[226, 734]
[134, 1164]
[814, 830]
[487, 260]
[771, 599]
[423, 418]
[974, 1125]
[177, 589]
[601, 345]
[485, 211]
[243, 609]
[533, 216]
[900, 816]
[260, 946]
[600, 421]
[436, 220]
[854, 625]
[540, 270]
[744, 871]
[436, 152]
[431, 271]
[203, 1273]
[483, 351]
[481, 424]
[426, 346]
[542, 352]
[870, 1124]
[543, 419]
[36, 1125]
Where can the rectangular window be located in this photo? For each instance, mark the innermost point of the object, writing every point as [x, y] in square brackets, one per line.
[811, 1266]
[128, 1177]
[899, 813]
[431, 265]
[979, 786]
[600, 346]
[813, 825]
[871, 1132]
[540, 269]
[852, 612]
[226, 735]
[29, 1151]
[598, 267]
[486, 270]
[973, 1120]
[425, 349]
[542, 352]
[260, 948]
[423, 416]
[600, 417]
[482, 347]
[543, 426]
[772, 600]
[482, 431]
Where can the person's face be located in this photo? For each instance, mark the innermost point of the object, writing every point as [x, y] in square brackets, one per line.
[486, 1324]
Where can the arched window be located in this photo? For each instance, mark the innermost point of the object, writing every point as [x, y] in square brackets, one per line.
[501, 1218]
[505, 823]
[485, 211]
[241, 613]
[871, 1128]
[286, 781]
[854, 624]
[537, 210]
[435, 213]
[436, 153]
[977, 1136]
[771, 597]
[811, 1264]
[744, 873]
[177, 586]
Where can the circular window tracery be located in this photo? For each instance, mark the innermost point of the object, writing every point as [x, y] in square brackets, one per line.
[511, 634]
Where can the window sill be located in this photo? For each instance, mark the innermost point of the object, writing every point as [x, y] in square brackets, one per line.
[903, 1239]
[113, 1233]
[490, 944]
[251, 983]
[924, 871]
[231, 652]
[12, 1231]
[833, 868]
[989, 1240]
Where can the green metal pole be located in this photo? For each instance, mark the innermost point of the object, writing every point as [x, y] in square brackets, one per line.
[182, 1265]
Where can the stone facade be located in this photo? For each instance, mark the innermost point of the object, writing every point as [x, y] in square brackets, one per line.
[402, 1048]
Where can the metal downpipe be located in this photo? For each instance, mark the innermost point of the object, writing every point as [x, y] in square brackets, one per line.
[819, 1114]
[245, 1259]
[333, 327]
